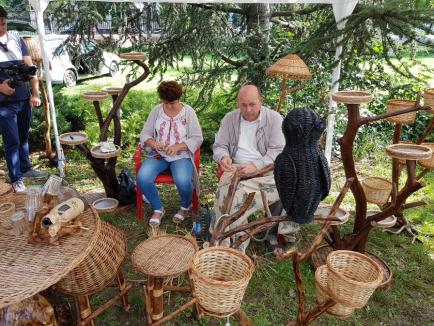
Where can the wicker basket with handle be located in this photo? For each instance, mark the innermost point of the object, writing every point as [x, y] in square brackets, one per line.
[352, 277]
[377, 190]
[398, 105]
[220, 277]
[100, 266]
[322, 294]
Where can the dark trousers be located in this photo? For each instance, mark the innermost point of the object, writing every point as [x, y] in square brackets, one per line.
[14, 126]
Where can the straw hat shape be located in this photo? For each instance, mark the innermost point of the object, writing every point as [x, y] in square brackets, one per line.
[290, 66]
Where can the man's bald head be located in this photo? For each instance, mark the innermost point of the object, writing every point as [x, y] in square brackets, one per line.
[249, 101]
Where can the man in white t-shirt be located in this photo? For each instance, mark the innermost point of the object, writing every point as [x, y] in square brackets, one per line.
[248, 139]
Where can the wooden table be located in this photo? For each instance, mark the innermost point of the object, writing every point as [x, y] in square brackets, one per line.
[26, 269]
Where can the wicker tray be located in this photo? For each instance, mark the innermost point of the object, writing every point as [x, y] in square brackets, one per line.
[409, 151]
[428, 98]
[100, 266]
[384, 223]
[352, 97]
[113, 90]
[73, 138]
[322, 294]
[166, 255]
[319, 258]
[97, 153]
[94, 96]
[5, 188]
[133, 56]
[398, 105]
[340, 214]
[105, 205]
[428, 163]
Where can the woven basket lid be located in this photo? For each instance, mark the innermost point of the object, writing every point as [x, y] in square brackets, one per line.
[290, 66]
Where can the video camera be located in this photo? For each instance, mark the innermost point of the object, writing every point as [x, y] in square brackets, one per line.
[18, 73]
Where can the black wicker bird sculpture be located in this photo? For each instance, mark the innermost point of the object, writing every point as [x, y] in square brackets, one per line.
[301, 171]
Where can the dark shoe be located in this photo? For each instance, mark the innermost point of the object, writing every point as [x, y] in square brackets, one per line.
[35, 174]
[272, 244]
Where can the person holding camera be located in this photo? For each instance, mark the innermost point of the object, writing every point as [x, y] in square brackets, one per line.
[16, 105]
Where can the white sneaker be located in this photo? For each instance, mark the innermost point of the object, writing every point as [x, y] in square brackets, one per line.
[19, 186]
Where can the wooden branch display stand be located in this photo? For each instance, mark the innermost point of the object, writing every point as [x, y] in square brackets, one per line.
[102, 163]
[387, 195]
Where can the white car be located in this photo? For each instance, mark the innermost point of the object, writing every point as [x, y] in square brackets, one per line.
[66, 69]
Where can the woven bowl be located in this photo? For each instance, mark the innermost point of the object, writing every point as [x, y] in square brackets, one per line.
[352, 277]
[428, 98]
[322, 295]
[100, 266]
[352, 97]
[398, 105]
[220, 277]
[133, 56]
[428, 163]
[377, 190]
[409, 151]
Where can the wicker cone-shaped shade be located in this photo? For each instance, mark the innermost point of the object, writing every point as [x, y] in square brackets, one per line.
[32, 44]
[289, 67]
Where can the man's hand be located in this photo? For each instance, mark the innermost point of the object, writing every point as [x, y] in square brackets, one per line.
[6, 89]
[226, 163]
[35, 101]
[247, 168]
[174, 149]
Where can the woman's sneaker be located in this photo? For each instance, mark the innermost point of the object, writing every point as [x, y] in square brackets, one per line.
[19, 186]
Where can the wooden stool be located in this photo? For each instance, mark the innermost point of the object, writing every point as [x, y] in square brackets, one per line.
[162, 257]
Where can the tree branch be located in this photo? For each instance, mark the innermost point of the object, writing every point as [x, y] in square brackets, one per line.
[235, 10]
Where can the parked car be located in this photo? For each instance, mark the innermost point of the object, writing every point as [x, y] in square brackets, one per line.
[75, 62]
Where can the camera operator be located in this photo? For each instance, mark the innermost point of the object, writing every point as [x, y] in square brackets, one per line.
[16, 107]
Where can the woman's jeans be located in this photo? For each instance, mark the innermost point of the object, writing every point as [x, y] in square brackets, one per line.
[182, 173]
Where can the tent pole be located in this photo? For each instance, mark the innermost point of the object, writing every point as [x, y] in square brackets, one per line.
[41, 33]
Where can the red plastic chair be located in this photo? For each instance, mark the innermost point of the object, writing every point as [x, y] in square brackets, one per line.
[163, 178]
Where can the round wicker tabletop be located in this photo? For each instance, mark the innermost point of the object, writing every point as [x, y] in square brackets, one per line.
[26, 269]
[409, 151]
[352, 97]
[166, 255]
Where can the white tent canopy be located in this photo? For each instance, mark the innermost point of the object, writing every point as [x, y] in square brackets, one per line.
[341, 9]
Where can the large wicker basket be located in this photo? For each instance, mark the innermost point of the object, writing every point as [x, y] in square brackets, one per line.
[428, 163]
[398, 105]
[377, 190]
[99, 268]
[352, 277]
[322, 294]
[428, 98]
[220, 277]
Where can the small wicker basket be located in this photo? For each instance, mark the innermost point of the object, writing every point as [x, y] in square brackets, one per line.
[377, 190]
[352, 277]
[99, 268]
[32, 44]
[398, 105]
[428, 98]
[428, 163]
[322, 294]
[220, 277]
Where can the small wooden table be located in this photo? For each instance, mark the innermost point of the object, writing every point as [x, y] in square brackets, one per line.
[159, 258]
[26, 269]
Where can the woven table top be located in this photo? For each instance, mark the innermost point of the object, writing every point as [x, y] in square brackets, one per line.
[164, 256]
[26, 269]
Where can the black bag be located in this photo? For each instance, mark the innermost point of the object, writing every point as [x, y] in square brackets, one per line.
[127, 187]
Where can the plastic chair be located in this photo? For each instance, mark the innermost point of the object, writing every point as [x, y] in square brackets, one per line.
[163, 178]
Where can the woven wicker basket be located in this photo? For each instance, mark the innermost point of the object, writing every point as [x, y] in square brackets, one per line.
[32, 44]
[322, 294]
[352, 277]
[428, 98]
[398, 105]
[377, 190]
[99, 268]
[220, 277]
[428, 163]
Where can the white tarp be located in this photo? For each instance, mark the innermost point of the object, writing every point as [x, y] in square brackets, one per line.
[341, 9]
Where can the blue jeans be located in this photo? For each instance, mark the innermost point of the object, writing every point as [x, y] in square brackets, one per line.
[14, 126]
[182, 173]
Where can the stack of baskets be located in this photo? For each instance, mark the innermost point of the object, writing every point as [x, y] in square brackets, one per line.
[377, 190]
[398, 105]
[219, 278]
[349, 279]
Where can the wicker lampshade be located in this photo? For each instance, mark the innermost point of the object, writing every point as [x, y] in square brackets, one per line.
[289, 67]
[32, 44]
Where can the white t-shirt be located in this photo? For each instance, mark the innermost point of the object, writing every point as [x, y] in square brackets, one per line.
[247, 147]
